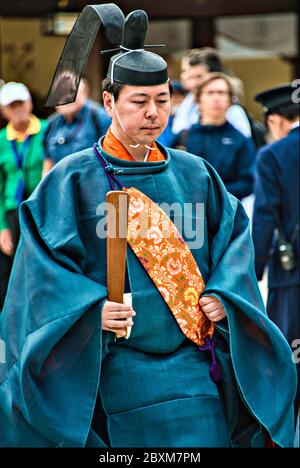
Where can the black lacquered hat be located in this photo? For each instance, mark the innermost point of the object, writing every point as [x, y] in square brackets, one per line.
[133, 65]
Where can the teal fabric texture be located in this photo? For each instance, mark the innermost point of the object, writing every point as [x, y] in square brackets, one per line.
[67, 383]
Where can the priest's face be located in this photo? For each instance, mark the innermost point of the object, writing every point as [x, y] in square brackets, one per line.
[140, 114]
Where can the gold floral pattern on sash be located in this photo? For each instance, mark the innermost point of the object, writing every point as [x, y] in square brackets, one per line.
[166, 257]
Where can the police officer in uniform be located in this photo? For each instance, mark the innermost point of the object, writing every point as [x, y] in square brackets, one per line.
[276, 210]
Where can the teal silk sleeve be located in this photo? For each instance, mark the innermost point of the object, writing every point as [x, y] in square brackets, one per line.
[51, 328]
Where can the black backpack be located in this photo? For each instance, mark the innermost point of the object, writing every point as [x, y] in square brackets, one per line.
[258, 131]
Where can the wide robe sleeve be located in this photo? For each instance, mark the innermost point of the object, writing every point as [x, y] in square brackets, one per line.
[261, 357]
[50, 326]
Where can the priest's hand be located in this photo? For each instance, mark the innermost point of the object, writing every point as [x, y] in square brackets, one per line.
[6, 243]
[213, 308]
[112, 312]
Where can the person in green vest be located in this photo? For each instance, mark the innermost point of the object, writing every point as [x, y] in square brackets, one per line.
[21, 160]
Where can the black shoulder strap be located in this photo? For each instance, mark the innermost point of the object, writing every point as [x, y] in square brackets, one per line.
[258, 129]
[50, 126]
[181, 144]
[281, 232]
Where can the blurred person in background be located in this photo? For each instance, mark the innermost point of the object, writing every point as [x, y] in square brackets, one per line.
[276, 211]
[258, 130]
[74, 127]
[216, 140]
[196, 63]
[167, 138]
[21, 161]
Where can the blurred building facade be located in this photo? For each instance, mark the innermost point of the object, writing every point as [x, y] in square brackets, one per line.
[257, 40]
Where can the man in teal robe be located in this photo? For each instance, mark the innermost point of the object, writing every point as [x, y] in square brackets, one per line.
[66, 381]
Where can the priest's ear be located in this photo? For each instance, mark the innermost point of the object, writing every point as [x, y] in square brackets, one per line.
[110, 94]
[107, 98]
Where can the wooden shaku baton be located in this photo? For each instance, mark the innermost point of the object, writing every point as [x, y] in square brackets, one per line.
[117, 224]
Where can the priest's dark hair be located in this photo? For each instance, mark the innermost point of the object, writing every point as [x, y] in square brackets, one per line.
[115, 88]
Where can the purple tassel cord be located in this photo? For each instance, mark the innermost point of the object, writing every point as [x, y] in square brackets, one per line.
[108, 168]
[215, 368]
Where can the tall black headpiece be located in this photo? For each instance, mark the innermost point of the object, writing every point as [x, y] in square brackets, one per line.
[133, 65]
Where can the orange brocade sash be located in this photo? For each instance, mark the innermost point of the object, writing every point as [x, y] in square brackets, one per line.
[166, 257]
[160, 248]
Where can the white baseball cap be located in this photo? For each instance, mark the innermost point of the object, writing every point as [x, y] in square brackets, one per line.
[12, 91]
